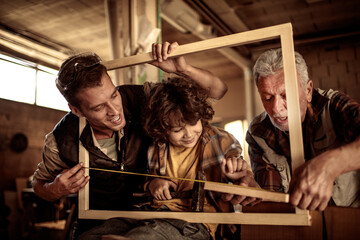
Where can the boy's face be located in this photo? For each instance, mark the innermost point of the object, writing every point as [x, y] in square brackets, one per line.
[102, 107]
[184, 135]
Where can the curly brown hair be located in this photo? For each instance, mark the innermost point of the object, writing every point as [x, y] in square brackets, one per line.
[178, 96]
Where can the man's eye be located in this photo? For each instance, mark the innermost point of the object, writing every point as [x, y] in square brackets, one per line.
[267, 99]
[98, 108]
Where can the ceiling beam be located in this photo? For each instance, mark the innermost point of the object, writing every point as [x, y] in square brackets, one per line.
[309, 40]
[223, 29]
[31, 48]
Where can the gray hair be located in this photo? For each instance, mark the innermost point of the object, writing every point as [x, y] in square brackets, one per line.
[270, 62]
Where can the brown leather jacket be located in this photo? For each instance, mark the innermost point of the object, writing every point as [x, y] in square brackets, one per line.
[110, 190]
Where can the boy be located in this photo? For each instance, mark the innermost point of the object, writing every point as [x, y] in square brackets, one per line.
[187, 146]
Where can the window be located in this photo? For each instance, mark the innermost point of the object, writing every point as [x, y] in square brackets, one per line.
[27, 82]
[238, 129]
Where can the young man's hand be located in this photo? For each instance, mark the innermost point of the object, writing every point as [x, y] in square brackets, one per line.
[68, 181]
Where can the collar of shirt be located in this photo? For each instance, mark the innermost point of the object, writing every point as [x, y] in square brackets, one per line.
[96, 143]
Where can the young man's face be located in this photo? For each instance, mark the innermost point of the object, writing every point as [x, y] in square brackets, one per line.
[102, 107]
[184, 135]
[273, 97]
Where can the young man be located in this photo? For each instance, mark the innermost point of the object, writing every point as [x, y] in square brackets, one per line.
[331, 129]
[113, 135]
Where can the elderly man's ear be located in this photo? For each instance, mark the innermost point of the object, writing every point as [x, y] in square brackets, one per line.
[309, 90]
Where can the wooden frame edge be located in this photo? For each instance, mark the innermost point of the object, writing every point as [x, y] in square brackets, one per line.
[251, 192]
[301, 217]
[286, 219]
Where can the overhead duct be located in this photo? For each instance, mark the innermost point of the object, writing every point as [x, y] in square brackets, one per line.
[184, 18]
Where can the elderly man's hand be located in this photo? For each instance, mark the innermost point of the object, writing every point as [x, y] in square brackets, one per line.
[312, 183]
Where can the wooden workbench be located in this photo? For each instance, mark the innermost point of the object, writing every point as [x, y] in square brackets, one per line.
[335, 223]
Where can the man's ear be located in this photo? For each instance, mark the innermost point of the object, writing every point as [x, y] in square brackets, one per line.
[76, 111]
[309, 90]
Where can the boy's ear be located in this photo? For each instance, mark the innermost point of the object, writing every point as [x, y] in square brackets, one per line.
[76, 111]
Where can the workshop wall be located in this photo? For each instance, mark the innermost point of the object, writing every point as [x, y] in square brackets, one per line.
[18, 158]
[335, 65]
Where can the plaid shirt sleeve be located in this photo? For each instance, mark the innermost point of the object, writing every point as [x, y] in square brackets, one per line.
[345, 114]
[265, 174]
[219, 144]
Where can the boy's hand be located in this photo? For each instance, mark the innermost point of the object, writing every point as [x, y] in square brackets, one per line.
[160, 54]
[246, 181]
[234, 168]
[160, 188]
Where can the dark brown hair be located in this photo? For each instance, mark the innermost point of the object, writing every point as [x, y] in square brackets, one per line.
[181, 97]
[79, 72]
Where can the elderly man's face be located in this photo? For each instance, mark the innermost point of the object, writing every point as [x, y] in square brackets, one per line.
[273, 97]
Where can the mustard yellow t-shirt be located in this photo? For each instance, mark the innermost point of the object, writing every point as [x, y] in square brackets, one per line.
[182, 164]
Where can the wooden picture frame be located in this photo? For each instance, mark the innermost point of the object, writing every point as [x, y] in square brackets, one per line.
[300, 217]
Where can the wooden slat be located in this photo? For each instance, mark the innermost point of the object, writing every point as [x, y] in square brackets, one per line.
[251, 192]
[202, 217]
[292, 89]
[83, 158]
[293, 105]
[209, 44]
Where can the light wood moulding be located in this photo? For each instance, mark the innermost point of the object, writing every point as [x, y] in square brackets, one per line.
[300, 218]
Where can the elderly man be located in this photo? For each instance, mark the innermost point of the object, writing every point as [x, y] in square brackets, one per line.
[331, 129]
